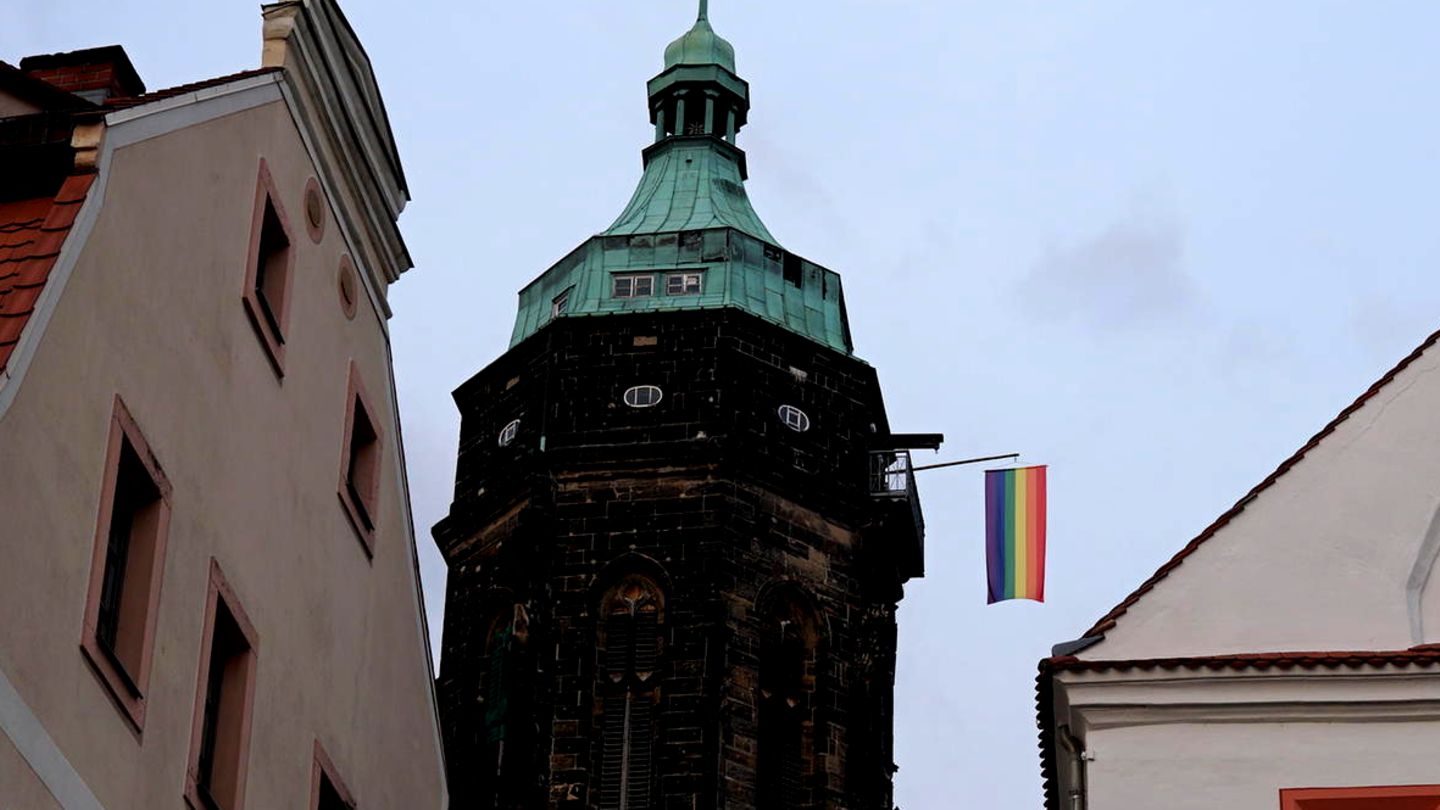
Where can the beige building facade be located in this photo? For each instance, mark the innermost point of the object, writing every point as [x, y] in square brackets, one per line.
[210, 593]
[1289, 656]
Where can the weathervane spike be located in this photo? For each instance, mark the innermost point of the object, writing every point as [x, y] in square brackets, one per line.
[704, 11]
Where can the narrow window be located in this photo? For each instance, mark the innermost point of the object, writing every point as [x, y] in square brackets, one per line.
[794, 418]
[269, 270]
[787, 659]
[508, 433]
[561, 302]
[633, 286]
[630, 630]
[683, 284]
[328, 792]
[272, 269]
[360, 463]
[221, 730]
[507, 741]
[126, 565]
[643, 396]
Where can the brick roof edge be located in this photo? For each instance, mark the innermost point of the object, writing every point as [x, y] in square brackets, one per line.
[1109, 620]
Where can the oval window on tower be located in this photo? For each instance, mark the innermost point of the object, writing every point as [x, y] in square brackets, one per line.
[794, 418]
[507, 433]
[643, 396]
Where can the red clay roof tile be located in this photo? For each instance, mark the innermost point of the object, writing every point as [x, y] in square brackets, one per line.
[31, 235]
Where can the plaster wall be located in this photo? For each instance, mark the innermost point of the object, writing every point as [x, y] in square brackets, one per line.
[20, 786]
[153, 312]
[11, 105]
[1243, 766]
[1336, 555]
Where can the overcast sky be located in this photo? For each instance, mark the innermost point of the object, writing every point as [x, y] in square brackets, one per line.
[1155, 245]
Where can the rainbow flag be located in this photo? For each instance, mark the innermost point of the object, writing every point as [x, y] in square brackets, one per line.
[1015, 533]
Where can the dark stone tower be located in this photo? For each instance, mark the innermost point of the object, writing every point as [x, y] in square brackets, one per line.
[681, 524]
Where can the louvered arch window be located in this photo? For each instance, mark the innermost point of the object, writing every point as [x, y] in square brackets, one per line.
[789, 637]
[632, 617]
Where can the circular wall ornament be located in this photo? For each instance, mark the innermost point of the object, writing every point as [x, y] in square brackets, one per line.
[314, 210]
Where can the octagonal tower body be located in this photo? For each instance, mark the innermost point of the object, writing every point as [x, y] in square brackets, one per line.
[681, 524]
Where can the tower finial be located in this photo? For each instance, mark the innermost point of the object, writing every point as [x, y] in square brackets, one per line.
[704, 11]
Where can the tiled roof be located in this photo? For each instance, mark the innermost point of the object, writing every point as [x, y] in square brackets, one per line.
[31, 234]
[1427, 655]
[1109, 619]
[180, 90]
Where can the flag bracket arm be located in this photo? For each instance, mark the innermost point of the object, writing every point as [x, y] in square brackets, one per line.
[964, 461]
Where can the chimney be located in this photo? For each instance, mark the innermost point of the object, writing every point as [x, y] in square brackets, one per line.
[94, 74]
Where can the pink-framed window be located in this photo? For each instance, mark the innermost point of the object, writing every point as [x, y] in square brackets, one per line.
[122, 601]
[328, 790]
[269, 269]
[1395, 797]
[360, 462]
[224, 698]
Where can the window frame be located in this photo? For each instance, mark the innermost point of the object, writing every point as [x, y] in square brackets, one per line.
[801, 426]
[513, 429]
[128, 690]
[659, 396]
[361, 508]
[684, 278]
[219, 595]
[270, 329]
[632, 279]
[1303, 798]
[560, 303]
[323, 770]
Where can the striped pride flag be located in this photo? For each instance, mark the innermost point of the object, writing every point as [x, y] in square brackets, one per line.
[1015, 533]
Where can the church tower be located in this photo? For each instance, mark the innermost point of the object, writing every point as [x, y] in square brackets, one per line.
[681, 522]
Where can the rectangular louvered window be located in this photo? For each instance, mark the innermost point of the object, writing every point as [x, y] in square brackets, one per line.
[626, 753]
[632, 654]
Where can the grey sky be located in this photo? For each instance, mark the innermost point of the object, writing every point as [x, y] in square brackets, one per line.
[1155, 245]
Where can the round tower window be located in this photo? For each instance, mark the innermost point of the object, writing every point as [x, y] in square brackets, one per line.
[794, 418]
[507, 433]
[643, 396]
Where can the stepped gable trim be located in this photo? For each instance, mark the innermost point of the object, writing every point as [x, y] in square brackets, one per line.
[1108, 621]
[1424, 655]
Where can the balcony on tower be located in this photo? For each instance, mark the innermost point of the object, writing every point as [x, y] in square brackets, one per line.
[897, 500]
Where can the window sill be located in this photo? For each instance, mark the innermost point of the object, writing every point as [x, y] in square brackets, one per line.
[270, 339]
[124, 692]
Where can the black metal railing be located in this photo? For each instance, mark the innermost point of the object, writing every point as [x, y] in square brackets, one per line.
[892, 476]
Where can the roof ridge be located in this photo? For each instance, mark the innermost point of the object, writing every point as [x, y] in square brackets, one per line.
[190, 87]
[1109, 620]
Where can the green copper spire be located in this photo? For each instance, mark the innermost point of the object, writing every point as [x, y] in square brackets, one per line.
[689, 238]
[694, 174]
[701, 45]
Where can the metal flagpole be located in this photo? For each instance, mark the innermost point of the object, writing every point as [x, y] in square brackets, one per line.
[965, 461]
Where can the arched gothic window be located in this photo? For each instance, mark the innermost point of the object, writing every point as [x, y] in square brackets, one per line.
[632, 614]
[785, 745]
